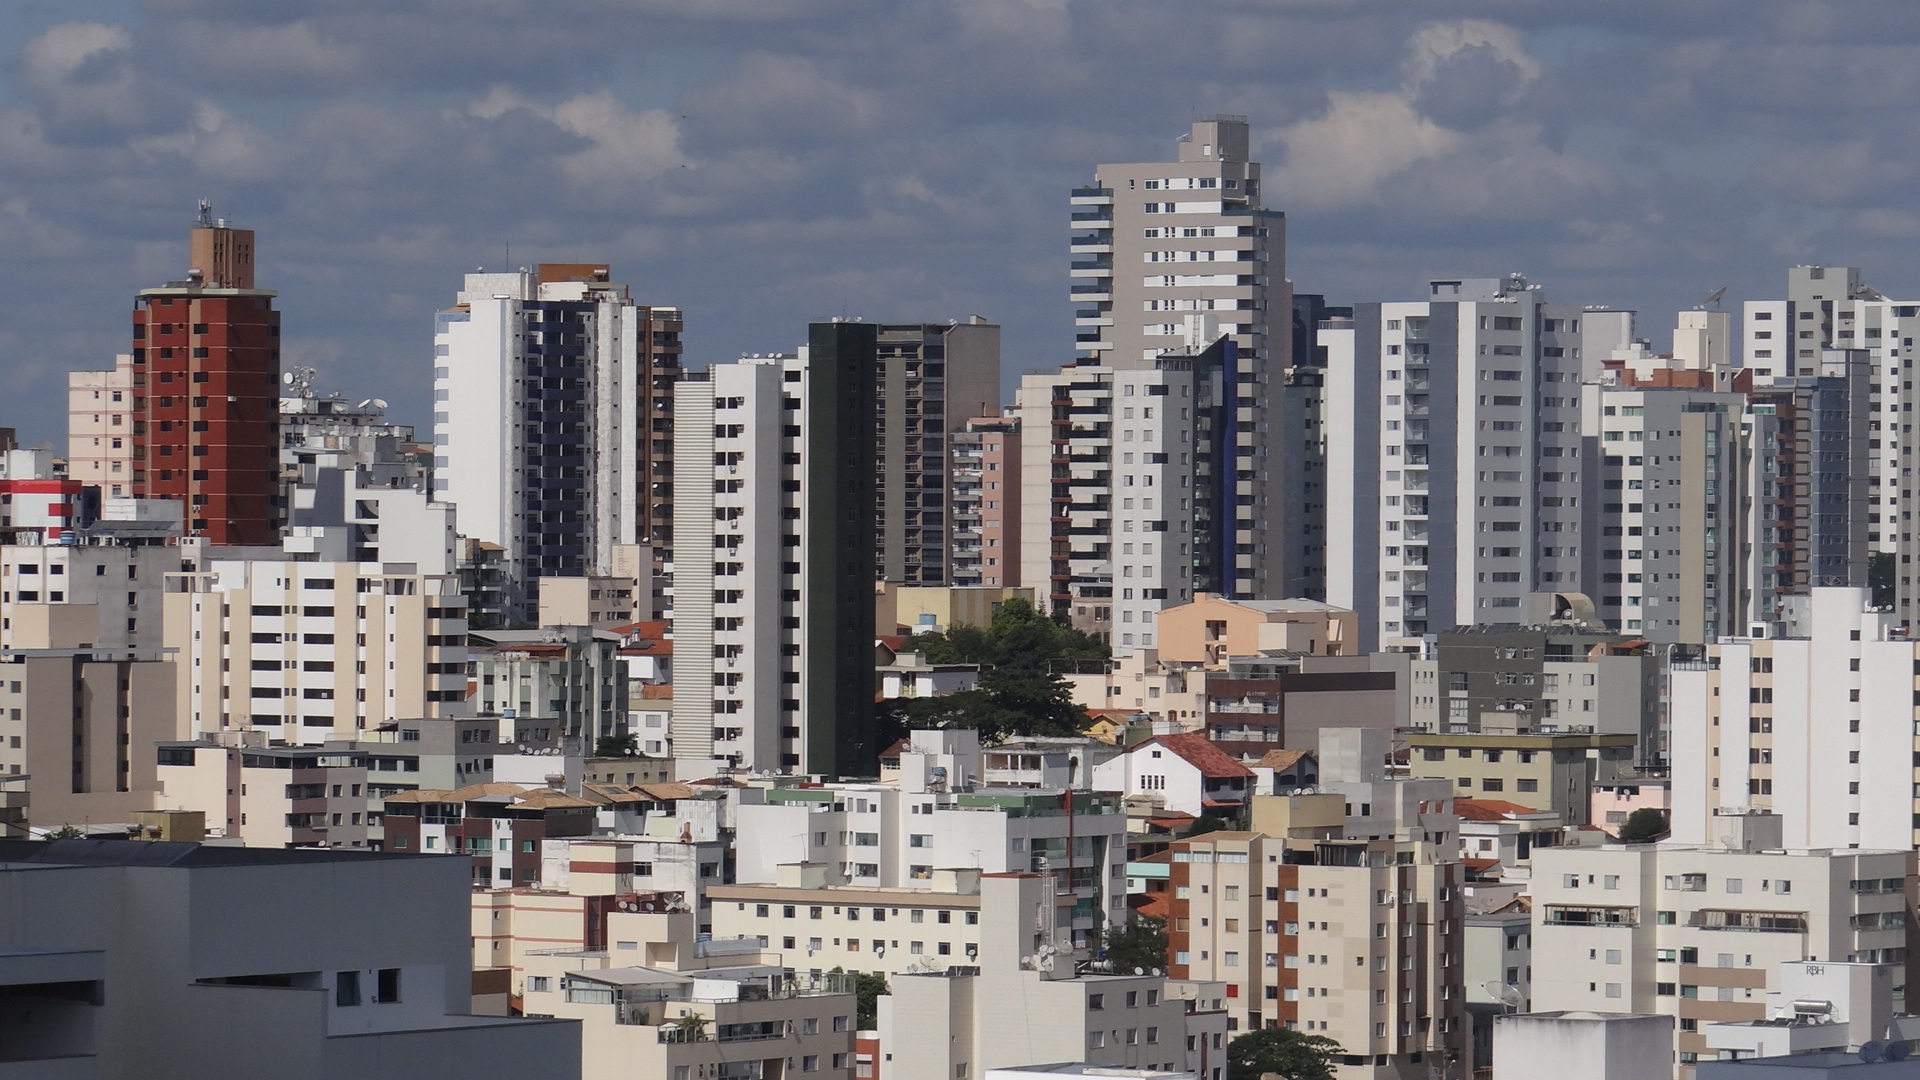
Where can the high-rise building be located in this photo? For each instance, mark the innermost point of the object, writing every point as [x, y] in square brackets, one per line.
[1454, 461]
[550, 421]
[1811, 719]
[1128, 488]
[1828, 310]
[1809, 482]
[204, 384]
[312, 651]
[986, 502]
[1698, 931]
[100, 427]
[931, 379]
[1663, 548]
[773, 578]
[1138, 233]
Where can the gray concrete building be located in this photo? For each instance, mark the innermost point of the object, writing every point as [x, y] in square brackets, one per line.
[932, 378]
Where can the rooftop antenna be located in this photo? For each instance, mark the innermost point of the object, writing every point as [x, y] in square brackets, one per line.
[1713, 299]
[204, 220]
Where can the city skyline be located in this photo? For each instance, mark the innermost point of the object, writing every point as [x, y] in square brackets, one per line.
[913, 163]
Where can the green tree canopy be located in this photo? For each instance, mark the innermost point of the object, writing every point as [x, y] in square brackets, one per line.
[626, 745]
[1020, 691]
[1643, 826]
[1141, 943]
[1294, 1055]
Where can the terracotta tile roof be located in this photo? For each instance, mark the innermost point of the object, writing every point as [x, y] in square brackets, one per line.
[1479, 865]
[1152, 905]
[471, 791]
[1490, 809]
[898, 748]
[1197, 750]
[1281, 760]
[549, 799]
[656, 692]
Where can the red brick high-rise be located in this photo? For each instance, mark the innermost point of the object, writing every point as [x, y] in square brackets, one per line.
[206, 403]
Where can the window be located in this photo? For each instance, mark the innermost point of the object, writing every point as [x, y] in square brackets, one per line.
[540, 984]
[388, 987]
[346, 989]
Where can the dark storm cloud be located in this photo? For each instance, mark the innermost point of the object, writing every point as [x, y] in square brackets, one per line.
[762, 164]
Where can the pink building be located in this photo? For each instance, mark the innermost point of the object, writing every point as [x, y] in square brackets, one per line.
[986, 502]
[1612, 802]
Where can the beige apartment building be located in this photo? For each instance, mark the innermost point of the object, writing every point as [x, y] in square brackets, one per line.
[655, 1002]
[1697, 932]
[100, 419]
[1213, 628]
[85, 688]
[1343, 916]
[821, 927]
[602, 602]
[332, 649]
[1548, 771]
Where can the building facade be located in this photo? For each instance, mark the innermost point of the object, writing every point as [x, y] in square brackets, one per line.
[548, 430]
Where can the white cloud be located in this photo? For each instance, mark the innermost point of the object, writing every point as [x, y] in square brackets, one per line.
[1341, 156]
[1436, 42]
[622, 144]
[56, 55]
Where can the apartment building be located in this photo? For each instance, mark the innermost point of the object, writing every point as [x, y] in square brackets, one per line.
[502, 826]
[100, 438]
[568, 681]
[1136, 469]
[939, 815]
[1211, 628]
[664, 1002]
[1261, 704]
[1131, 307]
[1831, 313]
[333, 648]
[774, 630]
[1565, 673]
[602, 602]
[1670, 489]
[986, 502]
[1033, 998]
[206, 374]
[550, 425]
[1696, 931]
[1454, 460]
[147, 958]
[1809, 483]
[1550, 771]
[1369, 863]
[931, 377]
[1812, 721]
[855, 928]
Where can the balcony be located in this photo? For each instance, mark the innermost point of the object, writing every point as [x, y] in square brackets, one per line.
[1576, 915]
[1775, 922]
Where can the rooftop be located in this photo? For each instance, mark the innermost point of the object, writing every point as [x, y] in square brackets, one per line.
[29, 854]
[1199, 751]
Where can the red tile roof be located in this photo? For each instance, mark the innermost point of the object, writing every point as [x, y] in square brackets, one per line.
[1490, 809]
[656, 692]
[1197, 750]
[1281, 760]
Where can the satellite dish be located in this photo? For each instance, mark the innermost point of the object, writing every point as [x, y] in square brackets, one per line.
[379, 403]
[1898, 1051]
[1871, 1051]
[1139, 971]
[364, 403]
[287, 378]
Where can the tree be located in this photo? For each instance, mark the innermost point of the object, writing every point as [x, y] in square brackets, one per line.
[1294, 1055]
[1880, 579]
[1206, 823]
[867, 988]
[692, 1027]
[624, 745]
[1141, 943]
[1644, 826]
[67, 832]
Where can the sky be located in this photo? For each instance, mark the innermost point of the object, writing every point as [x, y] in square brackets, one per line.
[767, 163]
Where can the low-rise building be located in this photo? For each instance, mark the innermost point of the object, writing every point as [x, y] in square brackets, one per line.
[1553, 771]
[854, 928]
[1578, 1044]
[570, 677]
[1213, 628]
[1696, 932]
[161, 949]
[1184, 774]
[658, 1002]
